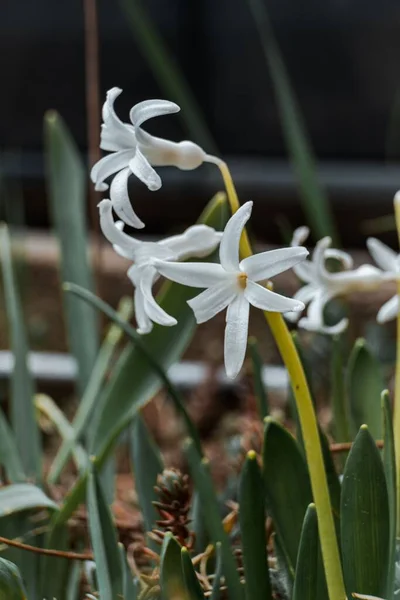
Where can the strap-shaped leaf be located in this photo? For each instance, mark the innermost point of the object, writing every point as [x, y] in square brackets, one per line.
[389, 464]
[306, 580]
[193, 586]
[171, 574]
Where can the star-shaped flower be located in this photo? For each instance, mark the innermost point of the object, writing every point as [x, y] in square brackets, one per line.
[134, 151]
[196, 241]
[232, 284]
[322, 285]
[388, 261]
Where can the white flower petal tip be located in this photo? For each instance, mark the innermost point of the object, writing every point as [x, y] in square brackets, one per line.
[319, 327]
[229, 246]
[300, 235]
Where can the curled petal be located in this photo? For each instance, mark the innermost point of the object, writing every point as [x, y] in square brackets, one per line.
[236, 330]
[198, 241]
[267, 264]
[148, 275]
[305, 294]
[115, 135]
[229, 247]
[264, 299]
[305, 271]
[314, 321]
[343, 257]
[300, 235]
[148, 109]
[108, 165]
[385, 257]
[140, 166]
[199, 275]
[144, 323]
[113, 232]
[308, 325]
[389, 310]
[120, 199]
[212, 301]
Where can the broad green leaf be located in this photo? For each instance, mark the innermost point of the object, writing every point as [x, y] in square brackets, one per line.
[92, 391]
[389, 464]
[365, 519]
[341, 419]
[252, 527]
[203, 484]
[49, 409]
[11, 584]
[314, 200]
[193, 587]
[67, 194]
[9, 454]
[147, 465]
[365, 385]
[287, 488]
[166, 71]
[19, 497]
[104, 542]
[259, 387]
[22, 387]
[305, 585]
[171, 574]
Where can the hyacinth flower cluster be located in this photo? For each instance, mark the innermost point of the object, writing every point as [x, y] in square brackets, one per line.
[231, 284]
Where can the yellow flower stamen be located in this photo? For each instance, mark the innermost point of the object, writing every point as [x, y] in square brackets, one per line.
[242, 280]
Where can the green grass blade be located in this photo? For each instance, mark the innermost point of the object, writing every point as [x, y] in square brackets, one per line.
[389, 464]
[341, 418]
[67, 193]
[22, 386]
[166, 71]
[314, 200]
[104, 542]
[259, 387]
[130, 588]
[9, 454]
[306, 580]
[92, 391]
[365, 385]
[365, 519]
[203, 483]
[252, 528]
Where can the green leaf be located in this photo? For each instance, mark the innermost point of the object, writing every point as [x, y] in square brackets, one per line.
[67, 193]
[389, 465]
[216, 587]
[9, 455]
[365, 519]
[314, 200]
[19, 497]
[365, 385]
[49, 408]
[306, 580]
[203, 484]
[104, 542]
[252, 528]
[287, 488]
[259, 387]
[341, 419]
[167, 72]
[11, 584]
[92, 391]
[22, 387]
[130, 588]
[171, 575]
[193, 587]
[202, 538]
[147, 465]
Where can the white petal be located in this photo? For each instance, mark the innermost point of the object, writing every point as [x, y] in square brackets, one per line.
[108, 165]
[300, 235]
[196, 241]
[144, 323]
[200, 275]
[148, 276]
[262, 298]
[314, 321]
[267, 264]
[148, 109]
[305, 294]
[140, 166]
[364, 597]
[389, 310]
[385, 257]
[309, 325]
[113, 232]
[236, 330]
[305, 271]
[120, 199]
[343, 257]
[210, 302]
[115, 135]
[229, 247]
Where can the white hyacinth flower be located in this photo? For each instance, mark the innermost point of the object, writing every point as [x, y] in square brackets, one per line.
[197, 241]
[134, 151]
[388, 261]
[232, 284]
[322, 285]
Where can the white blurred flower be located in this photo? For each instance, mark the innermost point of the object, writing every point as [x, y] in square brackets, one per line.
[322, 285]
[363, 597]
[388, 261]
[134, 151]
[232, 284]
[197, 241]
